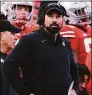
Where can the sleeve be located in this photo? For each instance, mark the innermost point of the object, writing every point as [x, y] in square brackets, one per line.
[73, 68]
[11, 66]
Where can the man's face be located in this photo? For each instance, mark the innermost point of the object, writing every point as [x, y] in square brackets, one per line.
[9, 39]
[53, 21]
[22, 14]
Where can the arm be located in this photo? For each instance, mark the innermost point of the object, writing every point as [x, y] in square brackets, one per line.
[11, 66]
[73, 66]
[73, 70]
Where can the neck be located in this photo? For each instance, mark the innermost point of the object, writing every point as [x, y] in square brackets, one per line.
[54, 35]
[4, 49]
[19, 25]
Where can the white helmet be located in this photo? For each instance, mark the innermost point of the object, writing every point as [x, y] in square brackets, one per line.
[82, 10]
[29, 4]
[8, 8]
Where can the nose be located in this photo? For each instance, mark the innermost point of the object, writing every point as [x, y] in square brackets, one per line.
[23, 11]
[54, 19]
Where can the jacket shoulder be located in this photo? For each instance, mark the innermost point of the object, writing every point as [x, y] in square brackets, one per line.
[33, 33]
[65, 40]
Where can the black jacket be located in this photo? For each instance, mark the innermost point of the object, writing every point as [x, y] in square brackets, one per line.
[4, 85]
[45, 64]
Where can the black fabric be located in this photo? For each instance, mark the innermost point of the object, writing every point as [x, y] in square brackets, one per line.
[2, 16]
[7, 26]
[83, 92]
[45, 64]
[4, 85]
[57, 7]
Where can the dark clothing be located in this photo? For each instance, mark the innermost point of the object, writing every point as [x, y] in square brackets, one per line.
[45, 65]
[5, 88]
[83, 92]
[4, 85]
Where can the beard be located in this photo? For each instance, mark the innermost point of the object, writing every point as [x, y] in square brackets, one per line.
[53, 28]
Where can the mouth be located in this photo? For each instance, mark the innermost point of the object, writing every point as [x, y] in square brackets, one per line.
[54, 26]
[21, 21]
[23, 18]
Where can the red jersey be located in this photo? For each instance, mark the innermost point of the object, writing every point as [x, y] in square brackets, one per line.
[88, 45]
[89, 30]
[26, 28]
[89, 87]
[76, 38]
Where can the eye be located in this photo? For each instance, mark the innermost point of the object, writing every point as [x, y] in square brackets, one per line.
[58, 16]
[12, 33]
[49, 15]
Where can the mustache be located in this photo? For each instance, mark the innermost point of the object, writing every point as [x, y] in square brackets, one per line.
[54, 24]
[22, 18]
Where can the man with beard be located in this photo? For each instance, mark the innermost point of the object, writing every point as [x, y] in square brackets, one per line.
[44, 57]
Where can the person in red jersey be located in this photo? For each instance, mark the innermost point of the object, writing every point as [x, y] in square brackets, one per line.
[22, 16]
[76, 38]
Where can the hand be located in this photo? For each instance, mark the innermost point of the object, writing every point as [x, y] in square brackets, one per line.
[72, 92]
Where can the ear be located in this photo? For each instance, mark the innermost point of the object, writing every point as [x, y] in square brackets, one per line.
[1, 35]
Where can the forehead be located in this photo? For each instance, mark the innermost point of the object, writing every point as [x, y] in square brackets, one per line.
[8, 33]
[22, 6]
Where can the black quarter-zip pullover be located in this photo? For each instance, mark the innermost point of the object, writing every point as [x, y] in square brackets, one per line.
[45, 64]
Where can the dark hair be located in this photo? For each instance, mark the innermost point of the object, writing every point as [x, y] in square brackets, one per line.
[5, 25]
[83, 70]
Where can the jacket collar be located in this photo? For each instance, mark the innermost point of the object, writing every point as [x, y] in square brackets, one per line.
[48, 36]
